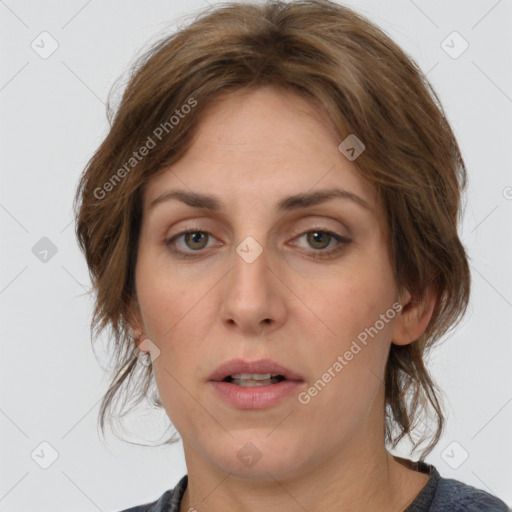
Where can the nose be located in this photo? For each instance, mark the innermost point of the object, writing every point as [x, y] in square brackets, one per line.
[253, 295]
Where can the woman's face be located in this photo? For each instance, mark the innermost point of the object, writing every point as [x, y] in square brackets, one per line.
[305, 283]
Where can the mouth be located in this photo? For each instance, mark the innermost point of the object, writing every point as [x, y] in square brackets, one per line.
[263, 372]
[254, 384]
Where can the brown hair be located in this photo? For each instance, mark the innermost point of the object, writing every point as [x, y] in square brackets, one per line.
[368, 86]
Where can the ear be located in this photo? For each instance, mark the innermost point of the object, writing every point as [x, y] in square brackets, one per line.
[413, 319]
[136, 325]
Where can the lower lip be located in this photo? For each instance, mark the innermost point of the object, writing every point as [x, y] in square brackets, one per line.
[257, 397]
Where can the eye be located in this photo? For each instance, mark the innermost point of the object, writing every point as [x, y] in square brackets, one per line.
[320, 239]
[194, 239]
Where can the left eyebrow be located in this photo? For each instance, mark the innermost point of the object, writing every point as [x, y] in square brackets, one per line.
[286, 204]
[308, 199]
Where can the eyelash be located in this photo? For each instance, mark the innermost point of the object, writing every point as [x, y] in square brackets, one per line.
[316, 254]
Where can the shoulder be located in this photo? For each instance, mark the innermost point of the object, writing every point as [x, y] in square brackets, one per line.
[457, 496]
[447, 494]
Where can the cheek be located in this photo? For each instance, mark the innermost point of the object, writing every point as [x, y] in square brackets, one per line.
[359, 312]
[163, 299]
[182, 409]
[175, 318]
[356, 301]
[160, 311]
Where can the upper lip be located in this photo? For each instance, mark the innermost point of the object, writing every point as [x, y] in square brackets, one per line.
[261, 366]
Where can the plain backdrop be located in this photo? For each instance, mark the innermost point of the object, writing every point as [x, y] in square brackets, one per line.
[52, 119]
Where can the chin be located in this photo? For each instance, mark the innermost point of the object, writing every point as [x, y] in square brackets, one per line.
[255, 459]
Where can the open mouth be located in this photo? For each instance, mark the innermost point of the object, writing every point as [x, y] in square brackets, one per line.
[241, 386]
[247, 380]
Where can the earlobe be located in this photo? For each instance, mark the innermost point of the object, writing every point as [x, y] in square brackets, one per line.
[414, 317]
[137, 333]
[140, 339]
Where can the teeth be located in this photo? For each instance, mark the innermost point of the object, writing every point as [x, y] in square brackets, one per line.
[252, 376]
[246, 380]
[253, 383]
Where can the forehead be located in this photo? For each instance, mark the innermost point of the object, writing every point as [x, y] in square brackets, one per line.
[262, 143]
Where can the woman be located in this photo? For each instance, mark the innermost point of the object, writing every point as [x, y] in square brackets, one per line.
[271, 230]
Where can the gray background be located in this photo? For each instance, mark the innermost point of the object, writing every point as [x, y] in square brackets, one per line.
[53, 118]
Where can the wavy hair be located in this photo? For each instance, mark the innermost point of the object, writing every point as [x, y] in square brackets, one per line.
[328, 54]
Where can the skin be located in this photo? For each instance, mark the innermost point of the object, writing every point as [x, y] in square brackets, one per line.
[252, 149]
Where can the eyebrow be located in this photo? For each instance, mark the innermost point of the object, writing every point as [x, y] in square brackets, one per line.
[290, 203]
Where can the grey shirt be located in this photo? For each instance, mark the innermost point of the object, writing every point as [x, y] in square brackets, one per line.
[439, 495]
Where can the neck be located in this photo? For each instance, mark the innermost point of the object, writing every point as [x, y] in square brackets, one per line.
[347, 481]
